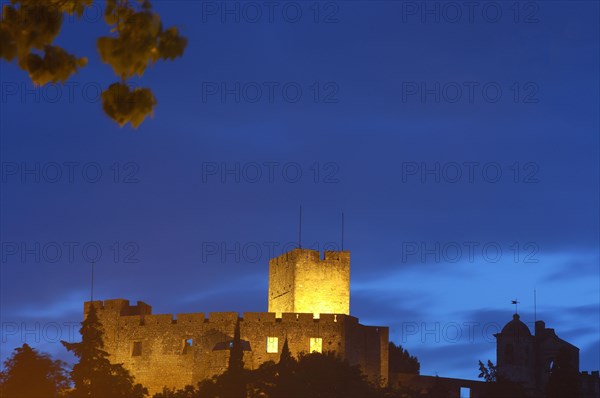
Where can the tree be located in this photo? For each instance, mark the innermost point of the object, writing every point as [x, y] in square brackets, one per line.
[400, 361]
[236, 355]
[28, 29]
[186, 392]
[94, 376]
[311, 376]
[30, 374]
[326, 375]
[286, 360]
[233, 382]
[498, 386]
[284, 381]
[489, 374]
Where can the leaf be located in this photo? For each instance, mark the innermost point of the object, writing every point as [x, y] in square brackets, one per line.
[56, 66]
[139, 40]
[171, 45]
[128, 106]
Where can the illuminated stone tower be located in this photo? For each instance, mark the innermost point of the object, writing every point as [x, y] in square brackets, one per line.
[300, 281]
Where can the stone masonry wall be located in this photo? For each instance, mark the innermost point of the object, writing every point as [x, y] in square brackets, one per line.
[182, 350]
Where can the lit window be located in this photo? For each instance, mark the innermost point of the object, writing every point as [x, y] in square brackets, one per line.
[272, 345]
[316, 344]
[137, 349]
[465, 392]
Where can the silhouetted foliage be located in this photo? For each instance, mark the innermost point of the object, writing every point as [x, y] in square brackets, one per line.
[230, 384]
[29, 25]
[400, 361]
[125, 105]
[488, 373]
[286, 360]
[564, 378]
[233, 381]
[326, 375]
[94, 376]
[498, 386]
[28, 29]
[236, 356]
[186, 392]
[311, 376]
[284, 383]
[30, 374]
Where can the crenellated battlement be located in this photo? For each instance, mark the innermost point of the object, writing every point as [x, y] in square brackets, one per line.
[339, 256]
[141, 315]
[312, 257]
[120, 306]
[295, 255]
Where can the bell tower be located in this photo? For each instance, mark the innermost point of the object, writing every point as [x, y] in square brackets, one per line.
[300, 281]
[515, 353]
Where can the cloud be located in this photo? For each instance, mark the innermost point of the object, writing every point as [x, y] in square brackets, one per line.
[573, 269]
[66, 305]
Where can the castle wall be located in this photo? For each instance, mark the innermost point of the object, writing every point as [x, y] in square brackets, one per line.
[548, 345]
[157, 350]
[427, 384]
[589, 384]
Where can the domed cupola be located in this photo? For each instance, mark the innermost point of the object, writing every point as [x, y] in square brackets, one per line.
[516, 328]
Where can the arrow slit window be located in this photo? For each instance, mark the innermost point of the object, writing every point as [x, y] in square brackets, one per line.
[137, 349]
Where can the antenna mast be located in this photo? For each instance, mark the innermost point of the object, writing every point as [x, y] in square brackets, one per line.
[92, 283]
[342, 231]
[300, 230]
[534, 306]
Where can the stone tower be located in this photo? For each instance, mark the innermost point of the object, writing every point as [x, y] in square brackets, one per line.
[300, 281]
[515, 353]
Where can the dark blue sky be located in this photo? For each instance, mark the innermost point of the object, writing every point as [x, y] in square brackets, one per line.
[394, 103]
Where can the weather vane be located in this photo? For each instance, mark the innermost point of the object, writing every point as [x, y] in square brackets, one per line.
[516, 303]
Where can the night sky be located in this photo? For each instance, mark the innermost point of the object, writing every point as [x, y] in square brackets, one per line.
[463, 151]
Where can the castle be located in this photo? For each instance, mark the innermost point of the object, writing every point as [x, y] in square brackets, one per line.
[308, 304]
